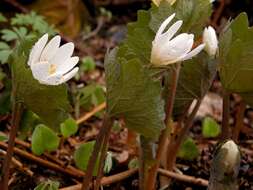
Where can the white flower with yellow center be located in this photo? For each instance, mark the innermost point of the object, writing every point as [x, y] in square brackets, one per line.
[167, 50]
[52, 64]
[210, 41]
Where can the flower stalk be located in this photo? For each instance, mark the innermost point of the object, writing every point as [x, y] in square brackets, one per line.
[16, 117]
[165, 133]
[102, 139]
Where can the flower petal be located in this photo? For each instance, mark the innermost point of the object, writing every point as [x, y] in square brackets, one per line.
[54, 79]
[164, 25]
[40, 70]
[62, 54]
[171, 31]
[69, 75]
[51, 48]
[194, 52]
[37, 49]
[67, 65]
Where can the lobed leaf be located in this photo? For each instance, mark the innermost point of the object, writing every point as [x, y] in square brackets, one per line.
[132, 94]
[236, 52]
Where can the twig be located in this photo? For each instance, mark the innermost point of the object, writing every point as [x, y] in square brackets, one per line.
[100, 23]
[239, 120]
[16, 116]
[45, 163]
[174, 146]
[91, 113]
[184, 178]
[49, 156]
[225, 116]
[162, 141]
[107, 180]
[17, 5]
[17, 163]
[107, 124]
[218, 13]
[102, 159]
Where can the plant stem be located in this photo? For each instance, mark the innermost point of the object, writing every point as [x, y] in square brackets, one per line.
[239, 120]
[107, 124]
[165, 132]
[225, 116]
[16, 116]
[176, 143]
[102, 158]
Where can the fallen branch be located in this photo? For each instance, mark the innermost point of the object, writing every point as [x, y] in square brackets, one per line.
[91, 113]
[184, 178]
[46, 163]
[107, 180]
[17, 163]
[120, 176]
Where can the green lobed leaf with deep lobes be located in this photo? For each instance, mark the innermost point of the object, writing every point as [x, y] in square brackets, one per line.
[236, 57]
[134, 95]
[50, 103]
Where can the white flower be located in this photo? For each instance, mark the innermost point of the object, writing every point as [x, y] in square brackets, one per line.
[157, 2]
[52, 64]
[232, 155]
[210, 41]
[167, 50]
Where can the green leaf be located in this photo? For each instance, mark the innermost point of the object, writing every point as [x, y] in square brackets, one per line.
[4, 46]
[37, 22]
[44, 139]
[2, 18]
[195, 79]
[133, 95]
[50, 103]
[69, 127]
[188, 150]
[194, 13]
[28, 122]
[4, 55]
[87, 64]
[82, 156]
[48, 185]
[8, 35]
[3, 137]
[139, 39]
[134, 163]
[21, 32]
[91, 95]
[210, 128]
[236, 56]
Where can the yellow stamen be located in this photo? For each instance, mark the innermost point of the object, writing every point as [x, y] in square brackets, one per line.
[52, 69]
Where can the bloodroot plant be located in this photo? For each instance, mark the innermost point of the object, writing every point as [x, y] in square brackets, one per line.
[157, 78]
[39, 71]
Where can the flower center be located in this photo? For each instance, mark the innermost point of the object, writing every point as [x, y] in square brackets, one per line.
[52, 69]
